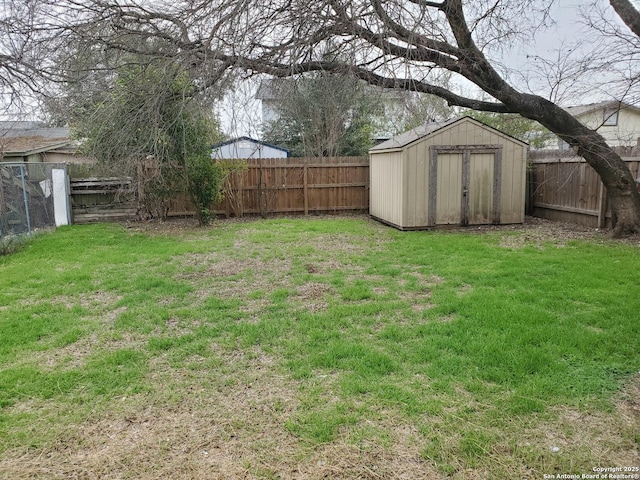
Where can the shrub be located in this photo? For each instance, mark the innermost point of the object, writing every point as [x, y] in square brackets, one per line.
[205, 180]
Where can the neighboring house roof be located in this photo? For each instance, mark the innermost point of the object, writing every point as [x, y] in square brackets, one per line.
[618, 122]
[248, 139]
[246, 147]
[578, 110]
[406, 138]
[20, 124]
[29, 141]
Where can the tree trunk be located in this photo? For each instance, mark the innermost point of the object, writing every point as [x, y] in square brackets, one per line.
[623, 195]
[628, 14]
[589, 144]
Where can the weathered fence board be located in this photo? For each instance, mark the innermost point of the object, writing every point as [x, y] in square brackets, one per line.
[567, 189]
[102, 199]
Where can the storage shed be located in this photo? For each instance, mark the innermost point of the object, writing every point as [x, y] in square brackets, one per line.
[458, 172]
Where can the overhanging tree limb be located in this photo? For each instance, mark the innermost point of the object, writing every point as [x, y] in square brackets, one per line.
[629, 15]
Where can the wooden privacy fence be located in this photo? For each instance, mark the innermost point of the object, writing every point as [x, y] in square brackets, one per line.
[292, 186]
[567, 189]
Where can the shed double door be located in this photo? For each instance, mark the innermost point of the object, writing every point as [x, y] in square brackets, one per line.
[464, 185]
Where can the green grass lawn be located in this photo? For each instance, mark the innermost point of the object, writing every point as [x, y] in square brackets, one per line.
[317, 348]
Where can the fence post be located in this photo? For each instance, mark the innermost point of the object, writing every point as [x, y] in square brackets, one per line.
[305, 190]
[67, 186]
[240, 190]
[530, 188]
[602, 206]
[26, 200]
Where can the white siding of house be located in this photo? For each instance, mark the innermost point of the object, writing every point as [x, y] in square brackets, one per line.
[386, 187]
[269, 111]
[625, 133]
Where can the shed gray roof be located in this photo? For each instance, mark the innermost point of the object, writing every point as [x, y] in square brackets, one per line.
[411, 136]
[406, 138]
[41, 132]
[20, 124]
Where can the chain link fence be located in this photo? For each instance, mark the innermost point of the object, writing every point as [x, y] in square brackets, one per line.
[33, 196]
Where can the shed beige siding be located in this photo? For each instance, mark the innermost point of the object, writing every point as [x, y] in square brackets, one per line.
[415, 198]
[513, 184]
[494, 170]
[386, 180]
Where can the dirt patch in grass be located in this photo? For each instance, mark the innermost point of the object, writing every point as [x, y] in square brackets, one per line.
[313, 296]
[102, 313]
[70, 356]
[76, 354]
[341, 244]
[629, 402]
[209, 265]
[572, 436]
[313, 291]
[536, 230]
[464, 290]
[420, 296]
[232, 278]
[230, 431]
[99, 301]
[152, 447]
[344, 461]
[229, 267]
[577, 437]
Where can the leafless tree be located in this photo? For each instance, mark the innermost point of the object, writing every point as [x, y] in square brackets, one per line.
[324, 115]
[614, 50]
[401, 44]
[21, 50]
